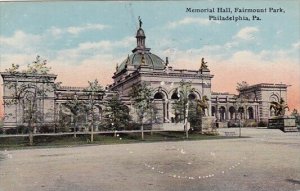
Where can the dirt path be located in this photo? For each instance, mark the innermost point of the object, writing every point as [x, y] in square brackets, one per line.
[269, 160]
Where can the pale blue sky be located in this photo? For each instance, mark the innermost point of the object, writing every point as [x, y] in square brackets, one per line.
[275, 30]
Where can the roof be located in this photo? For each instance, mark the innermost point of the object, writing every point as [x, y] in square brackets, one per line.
[150, 59]
[264, 85]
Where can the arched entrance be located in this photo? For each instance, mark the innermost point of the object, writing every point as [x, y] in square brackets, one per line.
[159, 107]
[231, 112]
[222, 111]
[241, 112]
[213, 110]
[250, 113]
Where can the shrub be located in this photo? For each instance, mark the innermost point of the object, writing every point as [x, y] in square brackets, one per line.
[61, 129]
[11, 131]
[104, 126]
[212, 133]
[22, 129]
[1, 130]
[233, 124]
[46, 128]
[262, 124]
[250, 124]
[133, 126]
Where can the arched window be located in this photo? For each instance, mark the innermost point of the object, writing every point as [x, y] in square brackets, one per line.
[98, 112]
[232, 112]
[213, 110]
[222, 113]
[174, 96]
[158, 95]
[31, 107]
[192, 96]
[273, 98]
[250, 113]
[241, 112]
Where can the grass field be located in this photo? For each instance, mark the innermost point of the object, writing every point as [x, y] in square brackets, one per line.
[70, 140]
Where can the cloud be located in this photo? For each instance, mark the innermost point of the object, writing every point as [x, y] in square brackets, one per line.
[21, 59]
[189, 21]
[26, 42]
[296, 45]
[106, 44]
[20, 40]
[75, 30]
[86, 50]
[247, 33]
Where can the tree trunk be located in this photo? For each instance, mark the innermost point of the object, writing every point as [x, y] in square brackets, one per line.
[92, 135]
[92, 131]
[142, 128]
[186, 130]
[75, 129]
[30, 138]
[185, 120]
[30, 134]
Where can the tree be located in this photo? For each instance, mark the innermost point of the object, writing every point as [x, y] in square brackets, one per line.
[93, 91]
[239, 105]
[62, 122]
[29, 88]
[117, 112]
[141, 97]
[182, 104]
[77, 108]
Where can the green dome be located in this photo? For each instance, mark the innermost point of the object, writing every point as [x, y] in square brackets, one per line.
[135, 59]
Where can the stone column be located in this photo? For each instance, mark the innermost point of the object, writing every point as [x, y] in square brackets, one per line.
[217, 113]
[209, 111]
[227, 113]
[164, 110]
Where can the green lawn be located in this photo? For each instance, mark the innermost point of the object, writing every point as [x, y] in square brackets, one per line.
[83, 140]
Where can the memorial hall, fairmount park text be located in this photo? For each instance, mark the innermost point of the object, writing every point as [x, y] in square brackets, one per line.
[236, 14]
[235, 10]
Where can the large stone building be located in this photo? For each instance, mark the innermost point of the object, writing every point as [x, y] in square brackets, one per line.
[251, 105]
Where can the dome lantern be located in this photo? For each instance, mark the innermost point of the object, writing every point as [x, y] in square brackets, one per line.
[140, 39]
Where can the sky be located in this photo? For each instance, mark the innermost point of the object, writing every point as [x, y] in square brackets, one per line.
[83, 41]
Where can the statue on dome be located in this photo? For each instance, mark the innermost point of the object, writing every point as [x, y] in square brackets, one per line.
[203, 64]
[117, 67]
[140, 22]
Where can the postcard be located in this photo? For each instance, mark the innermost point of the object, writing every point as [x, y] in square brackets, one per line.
[150, 95]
